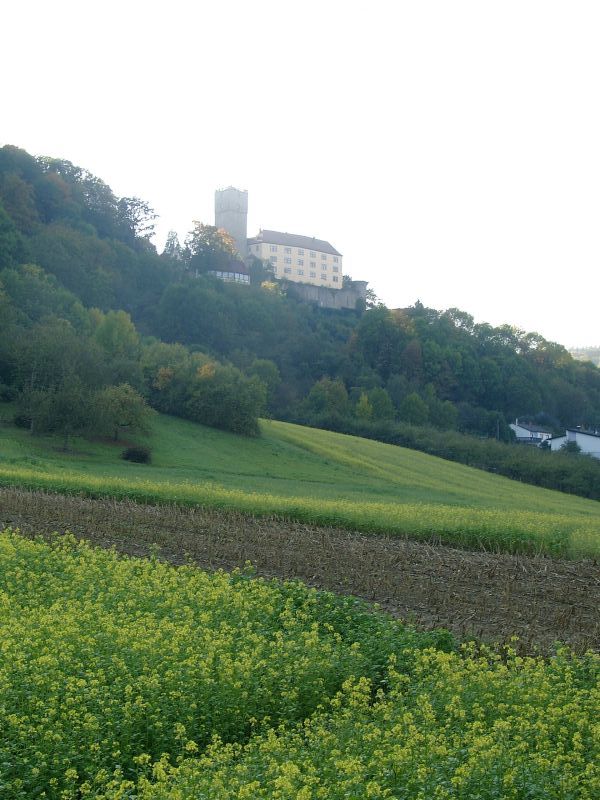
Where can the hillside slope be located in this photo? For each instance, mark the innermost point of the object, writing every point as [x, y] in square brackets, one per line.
[316, 476]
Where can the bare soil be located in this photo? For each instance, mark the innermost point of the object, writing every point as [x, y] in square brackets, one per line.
[487, 595]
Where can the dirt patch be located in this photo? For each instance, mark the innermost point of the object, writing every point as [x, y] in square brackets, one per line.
[490, 596]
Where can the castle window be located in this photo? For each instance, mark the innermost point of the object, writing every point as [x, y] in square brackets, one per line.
[300, 262]
[300, 271]
[273, 248]
[313, 254]
[313, 274]
[313, 264]
[288, 270]
[323, 257]
[300, 251]
[335, 279]
[336, 269]
[287, 249]
[287, 260]
[323, 277]
[335, 259]
[273, 259]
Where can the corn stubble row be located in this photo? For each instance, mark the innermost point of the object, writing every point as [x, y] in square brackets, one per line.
[129, 678]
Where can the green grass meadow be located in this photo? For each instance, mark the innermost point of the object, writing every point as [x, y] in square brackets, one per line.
[314, 476]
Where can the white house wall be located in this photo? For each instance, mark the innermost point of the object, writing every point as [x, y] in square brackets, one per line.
[590, 445]
[557, 443]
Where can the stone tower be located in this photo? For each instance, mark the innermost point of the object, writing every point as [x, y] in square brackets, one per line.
[231, 213]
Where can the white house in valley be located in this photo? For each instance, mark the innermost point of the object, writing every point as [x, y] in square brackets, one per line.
[530, 434]
[588, 441]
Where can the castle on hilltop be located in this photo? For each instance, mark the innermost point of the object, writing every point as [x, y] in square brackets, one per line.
[311, 268]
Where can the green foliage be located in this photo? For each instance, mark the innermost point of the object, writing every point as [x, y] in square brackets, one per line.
[67, 408]
[121, 408]
[381, 403]
[11, 243]
[413, 410]
[35, 295]
[328, 399]
[222, 397]
[116, 334]
[208, 248]
[364, 409]
[138, 454]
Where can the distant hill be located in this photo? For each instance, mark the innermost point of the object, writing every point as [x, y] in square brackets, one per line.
[586, 354]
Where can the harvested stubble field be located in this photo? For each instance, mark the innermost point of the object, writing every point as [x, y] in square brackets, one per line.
[490, 596]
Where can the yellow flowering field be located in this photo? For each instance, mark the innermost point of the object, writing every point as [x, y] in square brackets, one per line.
[131, 679]
[470, 725]
[109, 662]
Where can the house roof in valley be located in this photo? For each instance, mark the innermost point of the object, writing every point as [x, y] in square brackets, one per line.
[532, 428]
[594, 434]
[585, 433]
[294, 240]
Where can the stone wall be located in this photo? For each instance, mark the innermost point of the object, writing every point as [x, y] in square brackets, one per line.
[324, 297]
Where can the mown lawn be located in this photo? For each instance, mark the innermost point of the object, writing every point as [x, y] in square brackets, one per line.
[313, 475]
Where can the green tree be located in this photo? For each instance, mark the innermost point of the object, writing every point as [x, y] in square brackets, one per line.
[208, 248]
[328, 398]
[122, 408]
[260, 271]
[18, 199]
[381, 403]
[11, 243]
[116, 334]
[136, 217]
[268, 373]
[173, 248]
[363, 408]
[222, 397]
[413, 409]
[67, 409]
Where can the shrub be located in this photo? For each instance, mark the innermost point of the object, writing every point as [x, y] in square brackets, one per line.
[22, 420]
[139, 454]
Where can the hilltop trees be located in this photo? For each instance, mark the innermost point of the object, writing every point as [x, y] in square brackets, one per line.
[68, 244]
[208, 248]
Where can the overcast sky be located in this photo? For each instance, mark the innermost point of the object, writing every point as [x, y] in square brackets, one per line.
[449, 149]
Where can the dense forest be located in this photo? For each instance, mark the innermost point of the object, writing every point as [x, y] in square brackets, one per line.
[87, 303]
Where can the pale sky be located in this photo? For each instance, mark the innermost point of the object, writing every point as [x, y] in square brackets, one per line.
[449, 149]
